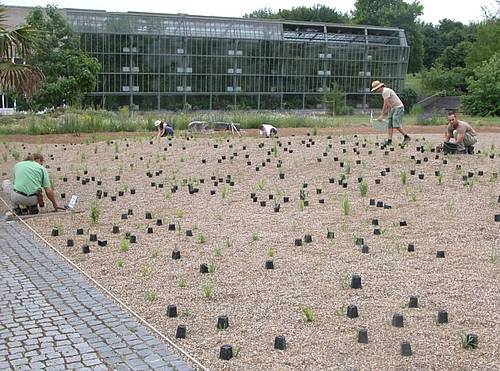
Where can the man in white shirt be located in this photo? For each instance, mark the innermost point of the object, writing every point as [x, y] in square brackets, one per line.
[268, 130]
[395, 108]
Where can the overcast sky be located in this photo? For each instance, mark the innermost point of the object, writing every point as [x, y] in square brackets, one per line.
[434, 10]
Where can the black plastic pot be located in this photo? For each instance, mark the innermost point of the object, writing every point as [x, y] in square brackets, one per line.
[374, 221]
[150, 230]
[356, 281]
[171, 227]
[113, 198]
[269, 264]
[442, 316]
[276, 209]
[376, 231]
[286, 199]
[79, 231]
[282, 176]
[133, 239]
[321, 200]
[116, 229]
[377, 181]
[372, 202]
[254, 199]
[411, 247]
[413, 302]
[226, 352]
[359, 241]
[148, 216]
[331, 180]
[365, 249]
[55, 232]
[176, 254]
[440, 254]
[171, 311]
[70, 243]
[124, 216]
[203, 268]
[63, 195]
[298, 242]
[180, 333]
[330, 235]
[279, 342]
[159, 222]
[85, 249]
[222, 322]
[397, 320]
[308, 238]
[263, 203]
[402, 223]
[132, 191]
[102, 243]
[363, 336]
[93, 237]
[352, 311]
[406, 349]
[497, 218]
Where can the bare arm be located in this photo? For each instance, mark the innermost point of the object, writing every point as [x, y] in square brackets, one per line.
[385, 108]
[50, 195]
[447, 136]
[460, 138]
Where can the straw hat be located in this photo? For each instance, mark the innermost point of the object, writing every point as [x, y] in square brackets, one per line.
[157, 123]
[376, 85]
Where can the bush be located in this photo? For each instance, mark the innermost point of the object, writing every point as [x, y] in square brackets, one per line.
[334, 101]
[409, 98]
[484, 89]
[445, 81]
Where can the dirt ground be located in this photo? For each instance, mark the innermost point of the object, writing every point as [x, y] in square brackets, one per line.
[234, 236]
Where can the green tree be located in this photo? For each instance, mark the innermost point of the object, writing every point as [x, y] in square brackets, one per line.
[395, 13]
[316, 13]
[454, 56]
[17, 42]
[432, 44]
[445, 81]
[484, 89]
[70, 73]
[409, 97]
[487, 43]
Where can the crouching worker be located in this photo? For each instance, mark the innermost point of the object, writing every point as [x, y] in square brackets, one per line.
[164, 129]
[464, 136]
[267, 130]
[29, 178]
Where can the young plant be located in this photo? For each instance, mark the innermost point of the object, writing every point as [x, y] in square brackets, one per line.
[345, 205]
[223, 192]
[301, 204]
[440, 177]
[363, 188]
[217, 252]
[212, 268]
[494, 256]
[255, 237]
[119, 263]
[182, 283]
[260, 184]
[144, 271]
[95, 212]
[466, 341]
[271, 252]
[124, 245]
[404, 178]
[200, 238]
[155, 253]
[150, 296]
[208, 292]
[308, 313]
[228, 242]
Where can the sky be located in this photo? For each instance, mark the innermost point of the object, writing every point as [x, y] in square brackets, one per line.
[434, 10]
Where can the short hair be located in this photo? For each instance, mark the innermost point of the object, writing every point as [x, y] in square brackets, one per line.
[452, 114]
[34, 157]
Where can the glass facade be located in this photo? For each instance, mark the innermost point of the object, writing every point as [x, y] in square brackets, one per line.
[157, 61]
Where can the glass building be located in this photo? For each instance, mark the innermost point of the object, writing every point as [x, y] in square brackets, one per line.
[163, 61]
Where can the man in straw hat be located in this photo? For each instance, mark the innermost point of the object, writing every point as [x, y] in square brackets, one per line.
[395, 108]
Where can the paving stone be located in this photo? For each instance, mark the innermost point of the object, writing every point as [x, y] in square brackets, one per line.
[53, 319]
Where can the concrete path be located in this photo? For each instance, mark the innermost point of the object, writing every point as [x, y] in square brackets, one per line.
[52, 318]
